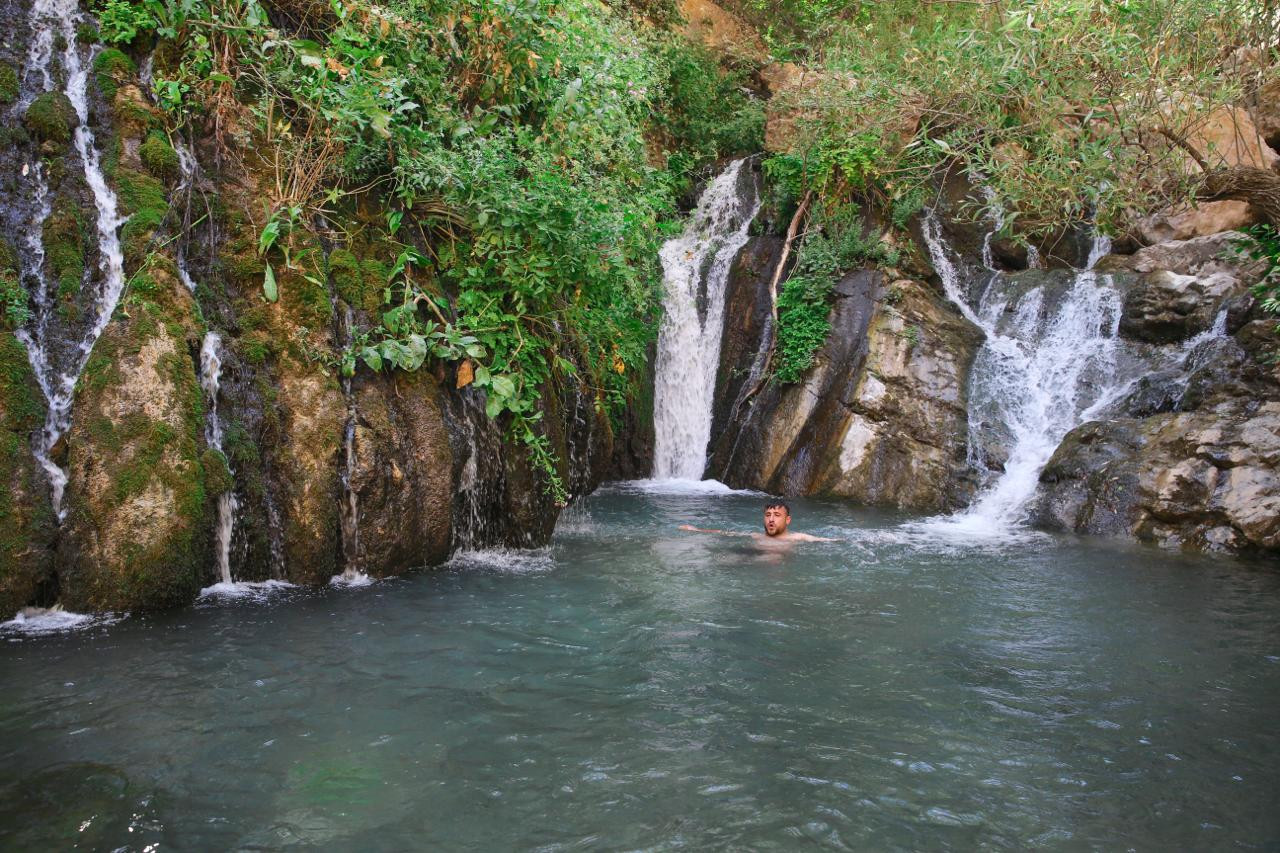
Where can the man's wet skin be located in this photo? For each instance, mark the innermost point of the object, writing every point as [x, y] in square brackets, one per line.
[777, 520]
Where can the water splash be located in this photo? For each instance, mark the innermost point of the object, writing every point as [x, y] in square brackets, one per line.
[50, 19]
[1045, 362]
[210, 373]
[695, 270]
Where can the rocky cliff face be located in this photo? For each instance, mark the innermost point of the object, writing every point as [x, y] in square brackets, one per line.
[880, 418]
[1190, 457]
[379, 475]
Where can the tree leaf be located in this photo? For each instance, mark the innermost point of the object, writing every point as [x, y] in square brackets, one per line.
[466, 374]
[269, 289]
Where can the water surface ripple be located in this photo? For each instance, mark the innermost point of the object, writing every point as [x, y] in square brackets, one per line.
[636, 687]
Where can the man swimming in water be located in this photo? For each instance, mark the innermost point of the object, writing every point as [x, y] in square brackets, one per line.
[777, 518]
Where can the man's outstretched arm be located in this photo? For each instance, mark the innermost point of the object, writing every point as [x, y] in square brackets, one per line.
[693, 529]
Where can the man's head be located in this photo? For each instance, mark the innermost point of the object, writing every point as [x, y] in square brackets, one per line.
[776, 518]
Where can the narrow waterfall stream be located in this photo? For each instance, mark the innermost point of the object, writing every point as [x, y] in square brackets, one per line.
[57, 382]
[1047, 358]
[695, 269]
[210, 374]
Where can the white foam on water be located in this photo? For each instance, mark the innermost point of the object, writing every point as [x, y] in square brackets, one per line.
[246, 589]
[695, 269]
[350, 579]
[39, 621]
[675, 486]
[515, 561]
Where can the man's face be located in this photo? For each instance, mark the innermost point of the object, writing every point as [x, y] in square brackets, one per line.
[776, 521]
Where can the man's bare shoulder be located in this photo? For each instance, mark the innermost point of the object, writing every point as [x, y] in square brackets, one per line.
[805, 537]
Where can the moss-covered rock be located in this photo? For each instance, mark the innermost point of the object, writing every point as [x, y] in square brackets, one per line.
[27, 524]
[51, 117]
[112, 68]
[8, 83]
[217, 475]
[64, 246]
[138, 508]
[13, 297]
[359, 283]
[142, 198]
[159, 158]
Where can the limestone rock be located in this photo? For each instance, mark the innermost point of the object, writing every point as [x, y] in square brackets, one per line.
[1266, 112]
[1228, 137]
[1184, 223]
[1163, 307]
[721, 31]
[27, 525]
[403, 474]
[879, 418]
[135, 536]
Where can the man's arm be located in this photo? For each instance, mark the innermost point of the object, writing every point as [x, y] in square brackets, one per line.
[693, 529]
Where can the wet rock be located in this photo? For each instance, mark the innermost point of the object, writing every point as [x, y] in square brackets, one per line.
[1163, 307]
[879, 418]
[137, 510]
[27, 525]
[1206, 218]
[403, 474]
[1090, 485]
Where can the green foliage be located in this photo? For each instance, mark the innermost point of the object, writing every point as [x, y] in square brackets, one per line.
[1060, 106]
[8, 83]
[836, 241]
[112, 68]
[120, 22]
[50, 117]
[1262, 243]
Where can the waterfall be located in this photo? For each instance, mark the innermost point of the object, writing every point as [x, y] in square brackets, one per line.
[1047, 360]
[349, 508]
[61, 17]
[210, 374]
[695, 269]
[188, 168]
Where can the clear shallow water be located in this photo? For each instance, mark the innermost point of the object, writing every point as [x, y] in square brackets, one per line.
[636, 687]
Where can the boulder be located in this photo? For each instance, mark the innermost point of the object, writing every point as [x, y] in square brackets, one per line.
[721, 31]
[402, 477]
[1163, 307]
[1228, 137]
[1205, 218]
[138, 516]
[1266, 113]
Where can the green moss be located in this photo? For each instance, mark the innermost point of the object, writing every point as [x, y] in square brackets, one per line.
[344, 272]
[14, 312]
[26, 519]
[142, 198]
[87, 33]
[112, 68]
[255, 348]
[159, 157]
[50, 117]
[64, 247]
[217, 476]
[8, 83]
[306, 302]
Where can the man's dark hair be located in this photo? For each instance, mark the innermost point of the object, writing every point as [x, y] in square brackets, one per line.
[777, 505]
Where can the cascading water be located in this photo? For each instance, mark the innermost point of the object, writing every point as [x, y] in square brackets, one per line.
[695, 269]
[349, 508]
[50, 18]
[1047, 359]
[210, 375]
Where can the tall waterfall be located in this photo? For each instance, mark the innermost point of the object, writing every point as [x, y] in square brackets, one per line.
[1048, 358]
[61, 18]
[695, 269]
[210, 374]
